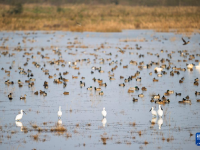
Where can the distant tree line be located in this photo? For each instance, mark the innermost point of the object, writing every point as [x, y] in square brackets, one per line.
[106, 2]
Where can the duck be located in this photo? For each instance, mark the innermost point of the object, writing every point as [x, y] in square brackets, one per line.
[152, 100]
[100, 81]
[111, 78]
[156, 96]
[19, 82]
[187, 97]
[135, 100]
[186, 101]
[104, 113]
[166, 93]
[153, 112]
[160, 111]
[197, 93]
[141, 95]
[97, 89]
[89, 88]
[74, 77]
[121, 77]
[103, 84]
[198, 100]
[125, 80]
[44, 94]
[180, 81]
[36, 93]
[64, 84]
[136, 88]
[130, 90]
[160, 102]
[10, 96]
[23, 97]
[155, 80]
[144, 89]
[41, 92]
[122, 84]
[166, 101]
[66, 93]
[59, 112]
[196, 83]
[164, 98]
[170, 91]
[82, 83]
[101, 93]
[139, 79]
[179, 94]
[30, 84]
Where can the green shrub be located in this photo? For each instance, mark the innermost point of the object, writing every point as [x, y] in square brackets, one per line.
[16, 9]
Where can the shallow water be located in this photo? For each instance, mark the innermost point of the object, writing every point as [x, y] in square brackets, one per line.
[82, 108]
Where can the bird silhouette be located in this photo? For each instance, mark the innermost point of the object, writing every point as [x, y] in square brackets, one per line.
[184, 42]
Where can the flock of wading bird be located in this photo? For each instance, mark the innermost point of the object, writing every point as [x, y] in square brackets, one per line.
[160, 70]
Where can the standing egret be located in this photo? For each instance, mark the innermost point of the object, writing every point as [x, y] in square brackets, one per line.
[153, 112]
[160, 111]
[59, 112]
[104, 113]
[19, 116]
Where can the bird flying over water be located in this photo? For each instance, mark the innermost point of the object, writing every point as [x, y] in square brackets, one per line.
[184, 42]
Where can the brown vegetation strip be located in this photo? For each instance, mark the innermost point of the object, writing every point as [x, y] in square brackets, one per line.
[99, 18]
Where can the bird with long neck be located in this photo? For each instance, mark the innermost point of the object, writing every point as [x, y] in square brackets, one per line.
[59, 112]
[19, 116]
[104, 113]
[153, 112]
[160, 111]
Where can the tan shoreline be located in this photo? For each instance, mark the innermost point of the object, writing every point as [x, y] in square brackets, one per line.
[99, 18]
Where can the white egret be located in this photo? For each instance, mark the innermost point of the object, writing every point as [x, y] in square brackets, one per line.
[59, 112]
[19, 116]
[104, 113]
[160, 111]
[153, 112]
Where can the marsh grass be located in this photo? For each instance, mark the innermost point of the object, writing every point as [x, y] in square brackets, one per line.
[68, 135]
[100, 18]
[60, 129]
[34, 126]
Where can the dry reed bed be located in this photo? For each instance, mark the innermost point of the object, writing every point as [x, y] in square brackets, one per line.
[108, 18]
